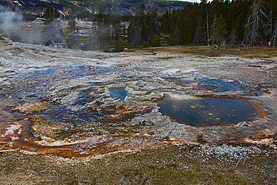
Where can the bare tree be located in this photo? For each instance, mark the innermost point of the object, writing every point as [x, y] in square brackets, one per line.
[208, 34]
[233, 37]
[274, 34]
[271, 22]
[205, 5]
[256, 24]
[212, 32]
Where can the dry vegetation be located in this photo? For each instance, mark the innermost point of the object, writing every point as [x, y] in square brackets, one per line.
[163, 165]
[211, 51]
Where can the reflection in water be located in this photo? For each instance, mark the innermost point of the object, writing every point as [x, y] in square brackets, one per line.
[207, 111]
[210, 84]
[119, 93]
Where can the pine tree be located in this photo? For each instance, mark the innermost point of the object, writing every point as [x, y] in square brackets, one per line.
[153, 27]
[50, 14]
[72, 38]
[52, 32]
[220, 32]
[135, 32]
[198, 37]
[156, 41]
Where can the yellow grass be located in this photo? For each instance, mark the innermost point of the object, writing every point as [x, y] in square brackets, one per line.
[209, 51]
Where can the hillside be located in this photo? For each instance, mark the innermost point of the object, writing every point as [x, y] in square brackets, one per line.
[92, 6]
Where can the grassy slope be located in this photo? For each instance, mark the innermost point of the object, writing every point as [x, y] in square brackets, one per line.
[165, 165]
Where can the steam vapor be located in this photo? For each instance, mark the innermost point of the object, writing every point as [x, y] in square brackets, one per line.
[9, 20]
[13, 26]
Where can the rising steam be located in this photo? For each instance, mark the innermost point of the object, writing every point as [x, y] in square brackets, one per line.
[13, 26]
[9, 20]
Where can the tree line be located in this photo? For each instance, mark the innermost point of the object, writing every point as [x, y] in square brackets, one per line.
[220, 22]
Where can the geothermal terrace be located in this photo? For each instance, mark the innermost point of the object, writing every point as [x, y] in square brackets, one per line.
[85, 104]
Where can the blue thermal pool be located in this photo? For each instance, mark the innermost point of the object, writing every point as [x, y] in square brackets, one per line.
[195, 111]
[119, 93]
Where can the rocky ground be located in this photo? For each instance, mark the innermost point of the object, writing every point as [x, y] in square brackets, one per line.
[59, 123]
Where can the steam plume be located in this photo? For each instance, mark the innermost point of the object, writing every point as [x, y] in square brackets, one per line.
[13, 26]
[9, 20]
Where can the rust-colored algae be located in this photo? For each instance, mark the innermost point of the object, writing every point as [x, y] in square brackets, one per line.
[31, 107]
[262, 138]
[89, 146]
[15, 135]
[14, 126]
[260, 110]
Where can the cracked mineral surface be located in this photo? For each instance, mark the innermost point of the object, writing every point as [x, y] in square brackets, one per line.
[89, 104]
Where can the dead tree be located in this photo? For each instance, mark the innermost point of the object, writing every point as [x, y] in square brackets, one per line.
[257, 24]
[212, 32]
[274, 34]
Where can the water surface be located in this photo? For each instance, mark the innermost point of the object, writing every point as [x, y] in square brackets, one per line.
[119, 93]
[206, 111]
